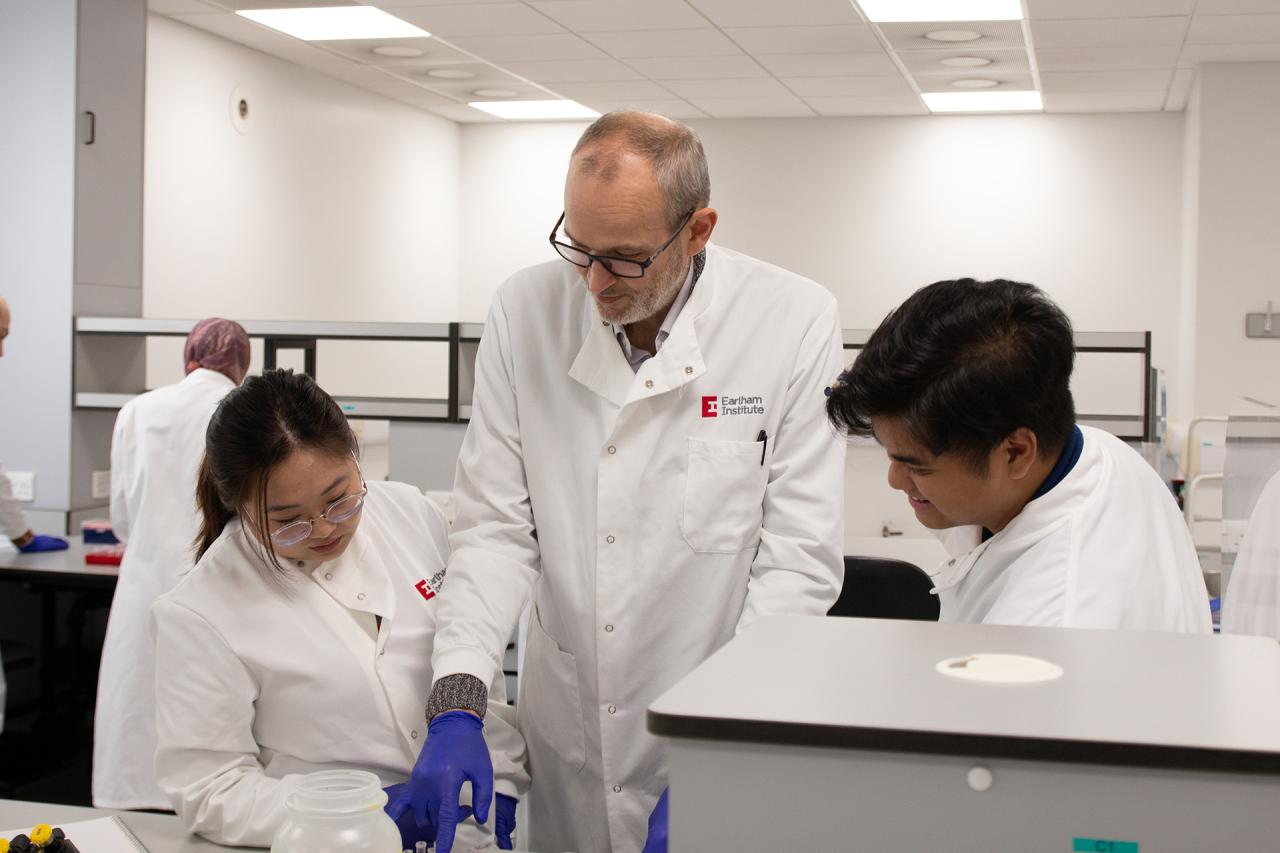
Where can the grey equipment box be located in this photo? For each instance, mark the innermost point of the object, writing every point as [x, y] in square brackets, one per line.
[822, 734]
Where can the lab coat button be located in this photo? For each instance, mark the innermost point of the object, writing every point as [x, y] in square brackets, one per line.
[613, 709]
[360, 596]
[648, 383]
[608, 629]
[414, 734]
[617, 789]
[328, 576]
[688, 371]
[609, 539]
[951, 562]
[612, 450]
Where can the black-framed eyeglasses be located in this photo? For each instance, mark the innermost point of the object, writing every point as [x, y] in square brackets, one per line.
[620, 267]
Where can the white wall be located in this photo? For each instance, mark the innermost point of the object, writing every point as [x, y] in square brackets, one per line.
[1237, 233]
[337, 204]
[1086, 206]
[37, 187]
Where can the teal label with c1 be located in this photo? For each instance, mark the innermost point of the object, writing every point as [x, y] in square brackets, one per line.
[1102, 845]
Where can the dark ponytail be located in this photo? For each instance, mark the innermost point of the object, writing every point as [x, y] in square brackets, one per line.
[255, 428]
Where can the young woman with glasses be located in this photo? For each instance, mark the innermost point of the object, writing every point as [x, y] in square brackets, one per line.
[301, 640]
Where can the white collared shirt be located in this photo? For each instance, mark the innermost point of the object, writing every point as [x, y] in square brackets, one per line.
[637, 356]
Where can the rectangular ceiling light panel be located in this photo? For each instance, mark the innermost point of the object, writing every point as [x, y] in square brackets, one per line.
[534, 110]
[896, 11]
[335, 23]
[982, 102]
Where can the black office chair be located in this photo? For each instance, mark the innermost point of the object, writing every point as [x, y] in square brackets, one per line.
[877, 588]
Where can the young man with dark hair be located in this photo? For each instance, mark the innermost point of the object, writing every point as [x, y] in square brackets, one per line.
[967, 387]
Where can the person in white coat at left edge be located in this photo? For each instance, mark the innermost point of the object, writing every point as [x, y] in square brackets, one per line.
[301, 641]
[649, 457]
[155, 451]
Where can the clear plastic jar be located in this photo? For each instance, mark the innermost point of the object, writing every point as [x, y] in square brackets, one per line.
[337, 811]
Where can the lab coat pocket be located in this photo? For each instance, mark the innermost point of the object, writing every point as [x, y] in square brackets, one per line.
[724, 495]
[550, 705]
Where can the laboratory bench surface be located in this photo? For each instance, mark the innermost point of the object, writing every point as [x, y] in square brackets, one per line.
[159, 833]
[64, 567]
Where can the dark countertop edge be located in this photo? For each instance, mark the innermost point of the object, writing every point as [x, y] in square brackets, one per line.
[965, 745]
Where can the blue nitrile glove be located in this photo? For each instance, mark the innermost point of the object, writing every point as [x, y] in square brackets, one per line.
[455, 752]
[657, 840]
[400, 809]
[41, 543]
[504, 822]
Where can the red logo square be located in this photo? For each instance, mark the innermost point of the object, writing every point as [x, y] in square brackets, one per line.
[427, 592]
[711, 407]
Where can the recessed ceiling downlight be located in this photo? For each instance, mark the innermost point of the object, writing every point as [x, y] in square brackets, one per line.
[966, 61]
[397, 51]
[451, 74]
[975, 83]
[495, 93]
[952, 36]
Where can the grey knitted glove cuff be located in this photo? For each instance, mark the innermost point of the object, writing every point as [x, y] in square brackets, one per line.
[458, 692]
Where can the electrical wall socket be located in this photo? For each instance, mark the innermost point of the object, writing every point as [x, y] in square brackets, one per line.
[101, 487]
[24, 485]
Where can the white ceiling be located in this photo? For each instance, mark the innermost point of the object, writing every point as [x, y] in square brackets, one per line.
[757, 58]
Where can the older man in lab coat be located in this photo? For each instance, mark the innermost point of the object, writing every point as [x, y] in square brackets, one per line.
[648, 456]
[156, 450]
[967, 386]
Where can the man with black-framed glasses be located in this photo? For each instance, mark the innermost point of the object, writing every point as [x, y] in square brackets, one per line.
[648, 456]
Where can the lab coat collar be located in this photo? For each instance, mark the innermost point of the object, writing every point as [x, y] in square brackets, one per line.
[602, 367]
[1040, 517]
[203, 376]
[358, 572]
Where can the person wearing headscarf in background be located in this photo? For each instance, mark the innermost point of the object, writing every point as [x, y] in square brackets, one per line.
[155, 456]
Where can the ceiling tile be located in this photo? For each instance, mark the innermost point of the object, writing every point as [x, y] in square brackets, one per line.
[699, 67]
[763, 13]
[1105, 81]
[417, 97]
[464, 114]
[996, 35]
[786, 107]
[486, 19]
[1104, 102]
[360, 75]
[301, 53]
[1106, 58]
[645, 90]
[434, 52]
[695, 90]
[1194, 54]
[1109, 32]
[466, 90]
[657, 43]
[851, 38]
[1058, 9]
[525, 48]
[1002, 61]
[942, 82]
[1234, 29]
[844, 87]
[277, 4]
[180, 7]
[486, 77]
[868, 106]
[1235, 7]
[676, 109]
[574, 70]
[830, 65]
[231, 26]
[592, 16]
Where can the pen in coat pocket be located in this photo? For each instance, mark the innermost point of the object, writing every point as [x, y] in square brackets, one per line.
[763, 438]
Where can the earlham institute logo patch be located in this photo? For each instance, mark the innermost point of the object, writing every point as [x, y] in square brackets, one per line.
[727, 407]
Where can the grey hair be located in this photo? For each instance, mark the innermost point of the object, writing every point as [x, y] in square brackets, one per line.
[673, 149]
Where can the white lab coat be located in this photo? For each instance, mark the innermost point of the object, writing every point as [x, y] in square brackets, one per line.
[1105, 548]
[648, 532]
[259, 679]
[1252, 597]
[156, 450]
